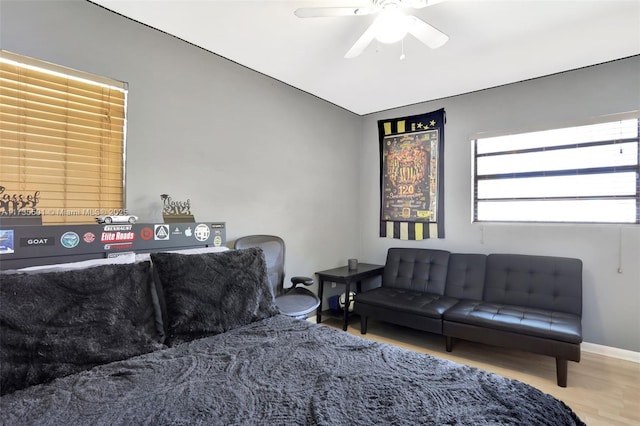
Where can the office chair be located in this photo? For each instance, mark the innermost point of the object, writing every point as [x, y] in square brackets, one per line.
[295, 301]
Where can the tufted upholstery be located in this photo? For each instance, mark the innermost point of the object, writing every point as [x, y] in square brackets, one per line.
[416, 269]
[532, 303]
[465, 276]
[412, 291]
[521, 319]
[416, 302]
[542, 282]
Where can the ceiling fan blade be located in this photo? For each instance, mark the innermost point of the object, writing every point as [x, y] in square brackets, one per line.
[419, 4]
[365, 39]
[427, 34]
[327, 12]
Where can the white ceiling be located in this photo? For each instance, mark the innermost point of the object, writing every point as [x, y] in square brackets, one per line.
[491, 43]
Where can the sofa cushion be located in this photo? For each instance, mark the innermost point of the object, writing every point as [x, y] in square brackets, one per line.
[409, 301]
[57, 323]
[420, 270]
[542, 282]
[465, 276]
[519, 319]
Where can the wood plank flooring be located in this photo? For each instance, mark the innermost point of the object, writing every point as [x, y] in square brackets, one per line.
[601, 390]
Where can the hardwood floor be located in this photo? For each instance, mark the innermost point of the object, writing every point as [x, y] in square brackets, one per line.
[601, 390]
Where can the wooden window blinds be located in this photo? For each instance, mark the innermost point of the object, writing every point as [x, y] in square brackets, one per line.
[62, 136]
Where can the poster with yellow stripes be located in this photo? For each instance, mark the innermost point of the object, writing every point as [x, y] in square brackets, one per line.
[411, 172]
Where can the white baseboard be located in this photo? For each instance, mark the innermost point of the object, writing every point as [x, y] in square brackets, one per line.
[611, 352]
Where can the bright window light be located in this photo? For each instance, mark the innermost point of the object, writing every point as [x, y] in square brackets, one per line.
[582, 174]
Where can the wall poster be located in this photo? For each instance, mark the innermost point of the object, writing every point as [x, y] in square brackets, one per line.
[411, 176]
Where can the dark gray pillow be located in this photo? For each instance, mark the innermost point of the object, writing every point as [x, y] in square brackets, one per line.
[211, 293]
[58, 323]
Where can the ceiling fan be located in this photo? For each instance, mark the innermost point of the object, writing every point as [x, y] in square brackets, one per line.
[391, 25]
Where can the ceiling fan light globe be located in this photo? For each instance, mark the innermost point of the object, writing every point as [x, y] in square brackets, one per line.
[390, 36]
[392, 26]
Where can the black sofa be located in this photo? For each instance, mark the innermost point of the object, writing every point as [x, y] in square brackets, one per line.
[531, 303]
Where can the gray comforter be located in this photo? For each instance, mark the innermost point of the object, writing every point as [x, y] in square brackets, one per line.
[281, 371]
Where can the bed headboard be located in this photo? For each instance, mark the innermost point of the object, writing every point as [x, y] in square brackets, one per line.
[24, 246]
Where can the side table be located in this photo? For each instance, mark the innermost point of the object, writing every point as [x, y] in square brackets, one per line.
[346, 276]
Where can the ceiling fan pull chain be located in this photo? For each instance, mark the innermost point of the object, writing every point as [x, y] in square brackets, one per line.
[402, 55]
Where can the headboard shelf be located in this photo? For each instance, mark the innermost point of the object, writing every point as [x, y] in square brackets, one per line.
[24, 246]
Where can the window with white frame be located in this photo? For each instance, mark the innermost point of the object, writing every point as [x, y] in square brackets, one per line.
[585, 174]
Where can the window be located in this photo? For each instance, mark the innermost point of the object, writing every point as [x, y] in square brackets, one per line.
[587, 173]
[62, 136]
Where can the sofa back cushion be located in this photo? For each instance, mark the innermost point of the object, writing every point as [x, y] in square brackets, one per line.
[465, 276]
[57, 323]
[207, 294]
[544, 282]
[422, 270]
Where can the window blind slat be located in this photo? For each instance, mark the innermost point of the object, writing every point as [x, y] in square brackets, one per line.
[91, 184]
[48, 169]
[61, 153]
[61, 133]
[74, 106]
[19, 110]
[13, 137]
[63, 137]
[585, 173]
[55, 126]
[35, 143]
[55, 83]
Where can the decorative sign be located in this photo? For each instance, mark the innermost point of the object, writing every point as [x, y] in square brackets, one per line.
[6, 241]
[176, 211]
[202, 232]
[69, 240]
[22, 246]
[171, 207]
[38, 241]
[161, 232]
[409, 186]
[411, 174]
[146, 233]
[18, 204]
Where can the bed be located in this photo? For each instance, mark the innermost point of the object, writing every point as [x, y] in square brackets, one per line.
[196, 339]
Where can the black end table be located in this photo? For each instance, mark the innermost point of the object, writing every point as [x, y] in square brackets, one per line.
[346, 276]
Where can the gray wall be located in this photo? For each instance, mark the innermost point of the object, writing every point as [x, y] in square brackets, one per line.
[267, 158]
[244, 148]
[611, 301]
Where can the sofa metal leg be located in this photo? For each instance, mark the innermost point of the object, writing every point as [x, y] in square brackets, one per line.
[561, 372]
[449, 343]
[363, 324]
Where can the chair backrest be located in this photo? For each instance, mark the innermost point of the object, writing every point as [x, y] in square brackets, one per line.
[274, 250]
